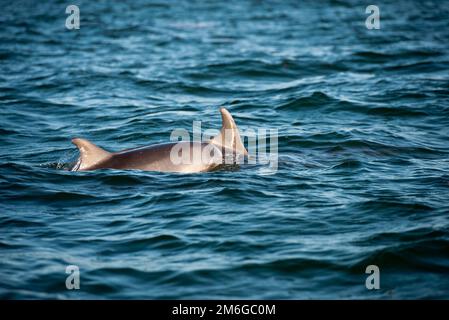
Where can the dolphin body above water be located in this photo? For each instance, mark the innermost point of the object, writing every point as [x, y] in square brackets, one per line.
[165, 157]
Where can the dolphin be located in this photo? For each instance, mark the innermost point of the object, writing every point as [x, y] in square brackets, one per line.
[182, 156]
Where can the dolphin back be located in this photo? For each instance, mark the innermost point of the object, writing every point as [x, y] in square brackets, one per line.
[159, 157]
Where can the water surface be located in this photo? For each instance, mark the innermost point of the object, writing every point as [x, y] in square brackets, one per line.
[363, 176]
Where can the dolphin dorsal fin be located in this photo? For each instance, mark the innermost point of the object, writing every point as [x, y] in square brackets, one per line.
[90, 154]
[229, 136]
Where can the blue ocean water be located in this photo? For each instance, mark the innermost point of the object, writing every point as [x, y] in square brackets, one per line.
[363, 170]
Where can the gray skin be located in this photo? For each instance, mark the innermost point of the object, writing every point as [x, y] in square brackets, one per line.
[200, 157]
[157, 158]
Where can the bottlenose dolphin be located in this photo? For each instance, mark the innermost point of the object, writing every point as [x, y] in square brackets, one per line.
[183, 156]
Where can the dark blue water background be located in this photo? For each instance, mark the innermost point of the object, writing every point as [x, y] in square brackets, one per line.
[363, 121]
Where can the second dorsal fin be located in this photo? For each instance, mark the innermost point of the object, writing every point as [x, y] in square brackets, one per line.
[229, 136]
